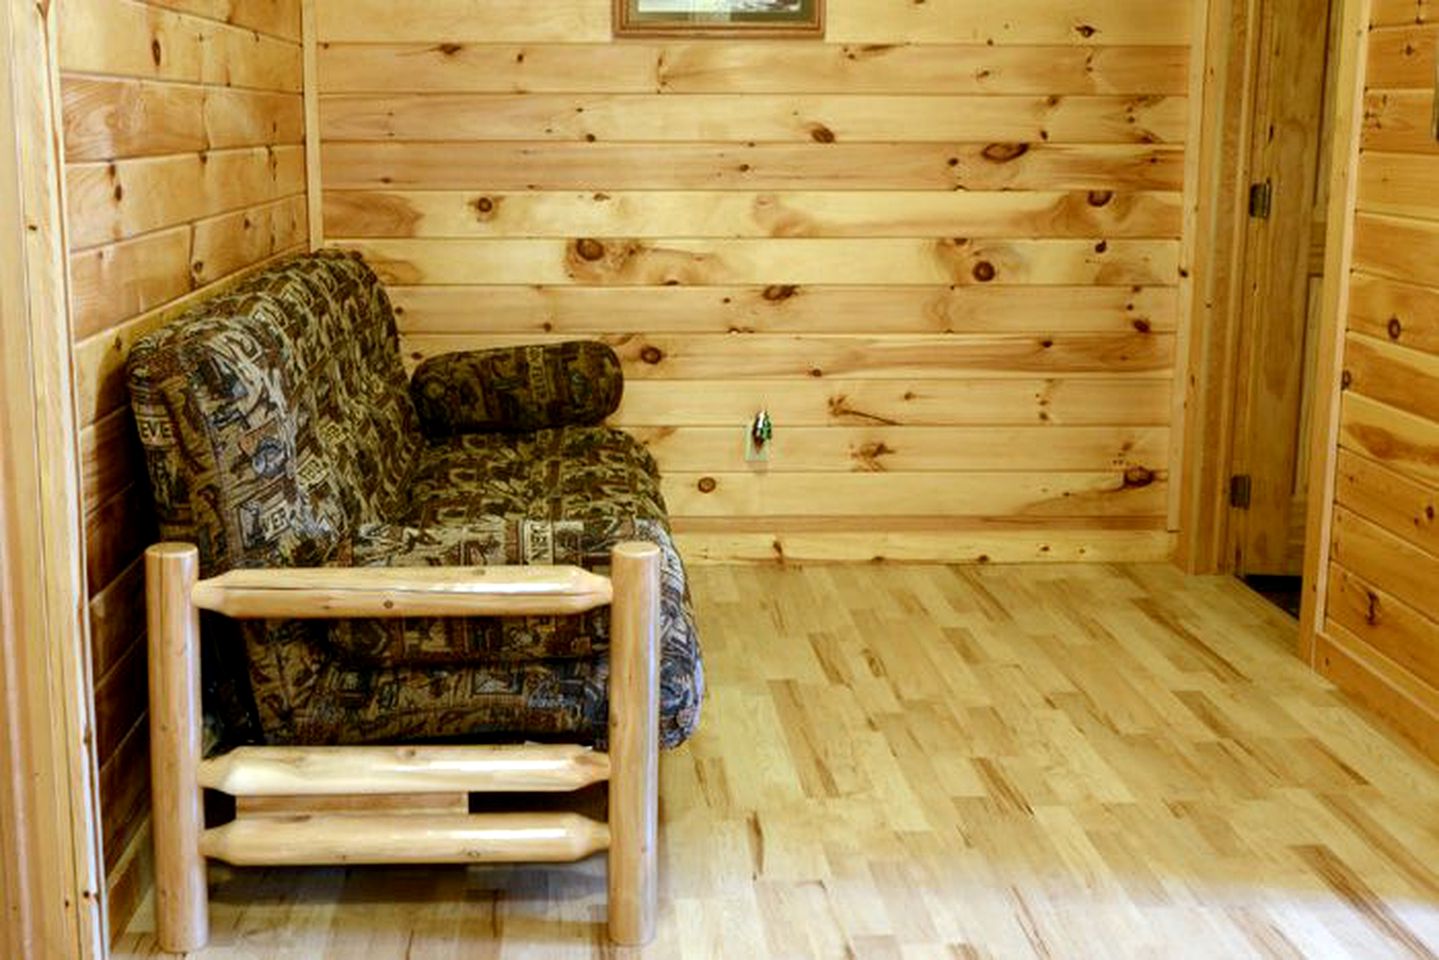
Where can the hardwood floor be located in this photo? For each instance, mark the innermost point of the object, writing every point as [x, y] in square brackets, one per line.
[940, 762]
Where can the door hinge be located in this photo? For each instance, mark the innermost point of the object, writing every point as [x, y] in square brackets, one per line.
[1241, 488]
[1261, 198]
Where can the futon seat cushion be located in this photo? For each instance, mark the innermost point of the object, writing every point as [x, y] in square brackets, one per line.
[561, 496]
[359, 681]
[570, 473]
[280, 431]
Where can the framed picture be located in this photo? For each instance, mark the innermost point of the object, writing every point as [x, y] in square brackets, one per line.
[719, 18]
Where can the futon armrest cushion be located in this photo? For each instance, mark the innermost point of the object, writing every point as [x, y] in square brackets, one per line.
[518, 389]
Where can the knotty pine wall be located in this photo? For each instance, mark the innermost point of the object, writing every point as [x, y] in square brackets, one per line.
[941, 247]
[1380, 636]
[183, 133]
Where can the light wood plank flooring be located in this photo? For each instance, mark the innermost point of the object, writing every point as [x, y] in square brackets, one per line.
[930, 762]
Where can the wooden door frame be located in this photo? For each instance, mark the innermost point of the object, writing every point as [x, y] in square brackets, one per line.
[54, 878]
[1211, 369]
[1353, 22]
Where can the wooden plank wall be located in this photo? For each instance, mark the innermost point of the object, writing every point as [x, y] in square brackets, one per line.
[183, 138]
[1380, 635]
[941, 247]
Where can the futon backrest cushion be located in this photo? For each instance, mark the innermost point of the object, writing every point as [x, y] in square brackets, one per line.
[276, 419]
[518, 389]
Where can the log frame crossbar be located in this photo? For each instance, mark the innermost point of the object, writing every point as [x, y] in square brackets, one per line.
[391, 834]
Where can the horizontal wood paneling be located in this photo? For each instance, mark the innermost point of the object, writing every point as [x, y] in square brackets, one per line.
[973, 545]
[125, 785]
[100, 357]
[117, 614]
[761, 166]
[952, 402]
[864, 21]
[1403, 313]
[119, 280]
[677, 213]
[1382, 623]
[1385, 688]
[1381, 558]
[1016, 21]
[114, 201]
[107, 118]
[183, 139]
[120, 700]
[112, 531]
[1398, 376]
[1397, 184]
[280, 18]
[1398, 13]
[687, 262]
[1403, 56]
[1402, 248]
[785, 308]
[1038, 494]
[885, 449]
[1390, 626]
[732, 67]
[678, 117]
[114, 282]
[940, 246]
[704, 357]
[1400, 121]
[1402, 506]
[1403, 441]
[129, 38]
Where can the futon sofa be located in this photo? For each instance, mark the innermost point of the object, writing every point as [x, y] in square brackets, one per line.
[280, 430]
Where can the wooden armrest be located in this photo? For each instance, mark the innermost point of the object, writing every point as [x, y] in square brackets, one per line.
[329, 592]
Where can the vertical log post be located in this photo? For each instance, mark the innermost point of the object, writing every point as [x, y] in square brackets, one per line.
[634, 743]
[181, 897]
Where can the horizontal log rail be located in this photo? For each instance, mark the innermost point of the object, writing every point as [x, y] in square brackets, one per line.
[329, 592]
[318, 771]
[343, 838]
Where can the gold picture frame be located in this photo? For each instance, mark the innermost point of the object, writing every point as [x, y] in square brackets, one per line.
[719, 18]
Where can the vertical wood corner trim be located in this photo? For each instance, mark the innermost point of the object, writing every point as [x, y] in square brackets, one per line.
[54, 904]
[1339, 246]
[309, 39]
[1182, 453]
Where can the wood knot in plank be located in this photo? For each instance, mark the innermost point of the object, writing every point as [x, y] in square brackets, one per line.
[1136, 477]
[869, 456]
[984, 271]
[1100, 198]
[1396, 329]
[485, 208]
[589, 249]
[839, 408]
[777, 292]
[450, 49]
[1004, 152]
[707, 485]
[652, 354]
